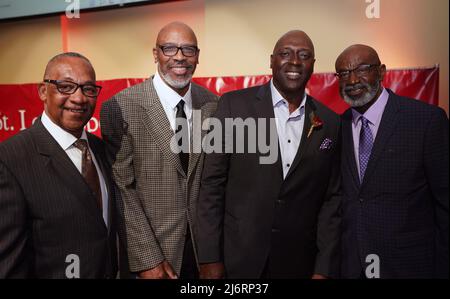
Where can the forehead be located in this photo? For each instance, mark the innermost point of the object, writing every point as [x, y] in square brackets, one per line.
[178, 36]
[295, 41]
[354, 58]
[74, 68]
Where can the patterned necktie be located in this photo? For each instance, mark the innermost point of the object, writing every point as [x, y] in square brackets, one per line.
[88, 170]
[365, 146]
[181, 122]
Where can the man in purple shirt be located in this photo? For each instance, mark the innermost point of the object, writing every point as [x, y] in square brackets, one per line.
[394, 176]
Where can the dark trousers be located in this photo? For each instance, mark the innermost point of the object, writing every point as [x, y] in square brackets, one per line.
[266, 271]
[189, 268]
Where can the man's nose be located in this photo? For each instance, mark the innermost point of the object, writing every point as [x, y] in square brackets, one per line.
[78, 96]
[353, 78]
[294, 59]
[179, 55]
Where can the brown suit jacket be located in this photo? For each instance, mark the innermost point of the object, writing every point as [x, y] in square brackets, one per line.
[158, 198]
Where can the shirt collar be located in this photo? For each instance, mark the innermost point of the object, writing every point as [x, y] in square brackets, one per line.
[374, 113]
[168, 95]
[62, 137]
[277, 98]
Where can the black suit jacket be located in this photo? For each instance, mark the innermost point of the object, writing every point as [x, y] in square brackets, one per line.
[400, 210]
[249, 216]
[48, 211]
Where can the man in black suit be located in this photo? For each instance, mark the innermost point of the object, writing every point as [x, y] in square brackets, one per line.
[280, 219]
[394, 176]
[55, 188]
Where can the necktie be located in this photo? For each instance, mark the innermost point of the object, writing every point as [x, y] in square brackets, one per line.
[88, 170]
[181, 122]
[365, 146]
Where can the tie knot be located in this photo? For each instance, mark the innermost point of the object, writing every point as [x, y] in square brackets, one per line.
[180, 105]
[364, 121]
[81, 144]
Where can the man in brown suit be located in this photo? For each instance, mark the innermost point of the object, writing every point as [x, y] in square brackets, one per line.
[159, 186]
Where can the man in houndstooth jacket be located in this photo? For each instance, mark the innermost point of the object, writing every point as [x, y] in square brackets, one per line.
[159, 187]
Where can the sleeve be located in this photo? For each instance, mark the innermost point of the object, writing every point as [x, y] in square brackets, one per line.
[210, 210]
[329, 225]
[144, 251]
[13, 230]
[437, 172]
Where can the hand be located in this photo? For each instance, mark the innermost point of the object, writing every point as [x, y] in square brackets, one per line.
[163, 271]
[318, 276]
[212, 271]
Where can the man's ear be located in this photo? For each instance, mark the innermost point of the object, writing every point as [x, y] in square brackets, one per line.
[271, 59]
[382, 72]
[155, 54]
[42, 91]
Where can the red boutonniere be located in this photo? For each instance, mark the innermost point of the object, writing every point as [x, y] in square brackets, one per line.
[316, 122]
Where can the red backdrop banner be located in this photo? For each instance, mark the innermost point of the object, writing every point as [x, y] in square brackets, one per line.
[20, 104]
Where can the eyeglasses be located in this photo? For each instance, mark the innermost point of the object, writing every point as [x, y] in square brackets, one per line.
[360, 71]
[171, 50]
[69, 87]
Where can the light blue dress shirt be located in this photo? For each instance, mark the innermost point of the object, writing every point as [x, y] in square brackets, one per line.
[289, 127]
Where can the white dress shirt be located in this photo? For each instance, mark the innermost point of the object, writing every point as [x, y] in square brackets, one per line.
[169, 99]
[289, 127]
[66, 140]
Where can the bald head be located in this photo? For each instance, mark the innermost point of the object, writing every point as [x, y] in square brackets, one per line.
[175, 28]
[292, 64]
[358, 51]
[176, 54]
[57, 59]
[294, 35]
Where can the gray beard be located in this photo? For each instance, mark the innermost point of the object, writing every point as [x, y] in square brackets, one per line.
[368, 96]
[177, 83]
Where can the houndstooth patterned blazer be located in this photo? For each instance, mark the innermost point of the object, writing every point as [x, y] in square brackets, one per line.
[158, 199]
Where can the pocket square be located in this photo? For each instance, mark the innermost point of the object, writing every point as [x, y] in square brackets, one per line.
[326, 144]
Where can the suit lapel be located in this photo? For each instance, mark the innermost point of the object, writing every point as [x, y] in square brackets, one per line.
[60, 165]
[156, 122]
[385, 131]
[198, 104]
[100, 157]
[349, 147]
[305, 141]
[263, 106]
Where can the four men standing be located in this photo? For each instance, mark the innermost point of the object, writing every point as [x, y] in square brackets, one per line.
[227, 214]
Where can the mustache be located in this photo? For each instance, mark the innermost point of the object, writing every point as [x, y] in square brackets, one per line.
[181, 64]
[356, 86]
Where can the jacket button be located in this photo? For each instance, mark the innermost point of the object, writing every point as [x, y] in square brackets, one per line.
[361, 200]
[275, 230]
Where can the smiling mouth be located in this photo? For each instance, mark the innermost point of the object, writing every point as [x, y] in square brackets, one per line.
[293, 75]
[355, 91]
[76, 111]
[180, 70]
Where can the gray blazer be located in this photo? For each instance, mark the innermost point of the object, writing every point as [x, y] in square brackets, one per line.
[158, 198]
